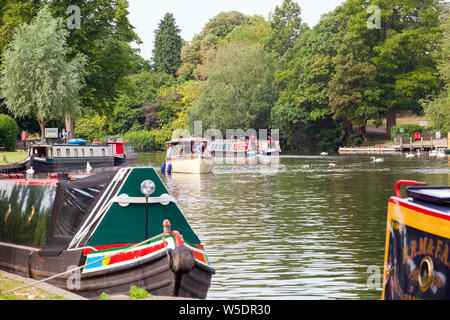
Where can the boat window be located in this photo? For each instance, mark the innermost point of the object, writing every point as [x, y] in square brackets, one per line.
[82, 152]
[58, 152]
[76, 152]
[68, 152]
[91, 152]
[103, 151]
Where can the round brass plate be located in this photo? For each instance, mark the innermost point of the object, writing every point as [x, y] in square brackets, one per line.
[426, 273]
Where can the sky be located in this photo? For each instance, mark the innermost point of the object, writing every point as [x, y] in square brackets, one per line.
[192, 15]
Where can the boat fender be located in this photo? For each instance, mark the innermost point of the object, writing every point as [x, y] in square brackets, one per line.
[169, 168]
[163, 167]
[181, 260]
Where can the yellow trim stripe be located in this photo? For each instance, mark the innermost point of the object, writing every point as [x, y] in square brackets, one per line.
[415, 219]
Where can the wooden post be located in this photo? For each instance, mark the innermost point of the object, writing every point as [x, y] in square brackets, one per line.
[410, 144]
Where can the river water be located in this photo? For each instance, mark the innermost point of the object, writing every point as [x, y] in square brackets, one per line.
[300, 230]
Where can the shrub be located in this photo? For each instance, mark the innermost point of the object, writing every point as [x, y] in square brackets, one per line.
[143, 140]
[8, 132]
[91, 127]
[138, 293]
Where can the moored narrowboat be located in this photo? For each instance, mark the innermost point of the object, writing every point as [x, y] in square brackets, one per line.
[123, 151]
[75, 155]
[102, 233]
[417, 264]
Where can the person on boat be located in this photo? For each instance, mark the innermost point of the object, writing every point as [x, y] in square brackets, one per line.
[63, 136]
[270, 142]
[198, 148]
[95, 141]
[204, 145]
[170, 152]
[252, 142]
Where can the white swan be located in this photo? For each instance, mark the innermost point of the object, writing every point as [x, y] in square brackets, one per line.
[332, 165]
[377, 159]
[88, 167]
[409, 155]
[324, 154]
[441, 155]
[30, 171]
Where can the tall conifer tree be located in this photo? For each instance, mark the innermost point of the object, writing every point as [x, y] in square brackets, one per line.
[167, 46]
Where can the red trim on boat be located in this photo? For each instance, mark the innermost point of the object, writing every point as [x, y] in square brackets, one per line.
[420, 209]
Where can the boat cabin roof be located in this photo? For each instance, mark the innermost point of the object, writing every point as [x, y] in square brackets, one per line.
[433, 195]
[182, 140]
[66, 145]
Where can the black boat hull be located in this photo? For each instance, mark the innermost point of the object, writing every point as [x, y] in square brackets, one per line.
[45, 166]
[153, 274]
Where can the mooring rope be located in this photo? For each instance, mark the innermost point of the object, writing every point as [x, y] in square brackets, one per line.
[86, 265]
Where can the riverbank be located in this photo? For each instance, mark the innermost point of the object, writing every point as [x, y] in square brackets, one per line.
[12, 157]
[45, 291]
[41, 291]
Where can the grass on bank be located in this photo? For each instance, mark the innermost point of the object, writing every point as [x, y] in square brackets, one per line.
[12, 157]
[29, 293]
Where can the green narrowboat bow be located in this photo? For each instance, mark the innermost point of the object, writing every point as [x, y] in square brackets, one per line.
[102, 233]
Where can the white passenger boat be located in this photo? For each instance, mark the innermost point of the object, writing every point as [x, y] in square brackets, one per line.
[187, 155]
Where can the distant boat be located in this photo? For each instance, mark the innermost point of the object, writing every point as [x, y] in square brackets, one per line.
[74, 155]
[123, 151]
[189, 156]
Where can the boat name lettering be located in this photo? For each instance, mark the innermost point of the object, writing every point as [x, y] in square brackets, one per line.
[427, 246]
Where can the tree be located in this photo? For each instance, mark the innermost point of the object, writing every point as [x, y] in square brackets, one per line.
[36, 78]
[438, 109]
[203, 45]
[400, 51]
[286, 26]
[352, 90]
[303, 112]
[167, 46]
[239, 92]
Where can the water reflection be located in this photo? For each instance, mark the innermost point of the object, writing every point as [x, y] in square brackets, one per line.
[306, 232]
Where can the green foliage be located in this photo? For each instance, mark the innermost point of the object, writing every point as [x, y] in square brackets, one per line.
[104, 296]
[92, 126]
[438, 109]
[168, 43]
[138, 293]
[104, 39]
[203, 46]
[286, 26]
[8, 132]
[36, 78]
[143, 140]
[139, 89]
[239, 92]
